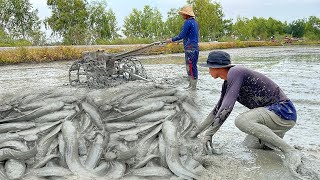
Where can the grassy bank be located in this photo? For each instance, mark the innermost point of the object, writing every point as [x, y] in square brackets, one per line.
[59, 53]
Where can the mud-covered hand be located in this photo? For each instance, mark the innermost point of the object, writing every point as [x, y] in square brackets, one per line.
[203, 126]
[207, 139]
[169, 40]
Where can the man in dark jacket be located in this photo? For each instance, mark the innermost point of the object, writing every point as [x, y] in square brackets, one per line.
[271, 112]
[189, 34]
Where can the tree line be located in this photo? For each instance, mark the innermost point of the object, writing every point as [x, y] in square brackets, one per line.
[83, 22]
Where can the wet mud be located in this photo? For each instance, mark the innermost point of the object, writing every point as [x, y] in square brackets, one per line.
[295, 68]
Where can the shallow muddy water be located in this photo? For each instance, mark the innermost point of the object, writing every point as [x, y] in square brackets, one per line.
[296, 69]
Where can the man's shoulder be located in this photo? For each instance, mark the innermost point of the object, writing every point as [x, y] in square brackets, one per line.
[242, 71]
[191, 20]
[238, 71]
[238, 68]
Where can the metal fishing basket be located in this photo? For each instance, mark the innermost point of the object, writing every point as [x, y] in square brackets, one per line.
[99, 69]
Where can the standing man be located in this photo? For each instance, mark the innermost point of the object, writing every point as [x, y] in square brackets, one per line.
[189, 34]
[271, 112]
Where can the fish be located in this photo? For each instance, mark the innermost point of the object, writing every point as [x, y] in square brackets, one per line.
[19, 135]
[162, 151]
[16, 145]
[155, 106]
[108, 96]
[15, 169]
[117, 170]
[160, 92]
[49, 171]
[96, 151]
[142, 146]
[102, 169]
[69, 133]
[17, 126]
[155, 116]
[193, 111]
[61, 152]
[172, 152]
[37, 112]
[144, 102]
[45, 160]
[5, 107]
[119, 126]
[43, 102]
[94, 114]
[133, 96]
[46, 141]
[151, 172]
[145, 161]
[3, 175]
[55, 116]
[7, 153]
[137, 130]
[189, 124]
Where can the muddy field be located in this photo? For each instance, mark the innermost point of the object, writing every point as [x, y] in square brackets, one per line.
[294, 68]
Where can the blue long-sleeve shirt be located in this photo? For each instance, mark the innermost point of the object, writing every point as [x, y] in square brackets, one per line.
[189, 34]
[252, 89]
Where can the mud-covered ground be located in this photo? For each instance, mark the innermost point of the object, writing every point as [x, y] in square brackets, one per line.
[295, 68]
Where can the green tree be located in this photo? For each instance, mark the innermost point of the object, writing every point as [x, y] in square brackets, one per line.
[264, 28]
[4, 38]
[241, 30]
[312, 28]
[174, 23]
[275, 27]
[257, 28]
[102, 22]
[227, 29]
[68, 20]
[132, 24]
[296, 28]
[19, 20]
[209, 16]
[153, 22]
[144, 24]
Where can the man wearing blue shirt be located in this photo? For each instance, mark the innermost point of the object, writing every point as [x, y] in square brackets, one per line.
[189, 34]
[271, 112]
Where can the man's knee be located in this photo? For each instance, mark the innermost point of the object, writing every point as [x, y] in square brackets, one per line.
[247, 119]
[241, 121]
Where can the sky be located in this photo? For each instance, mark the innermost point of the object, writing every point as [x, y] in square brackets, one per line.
[283, 10]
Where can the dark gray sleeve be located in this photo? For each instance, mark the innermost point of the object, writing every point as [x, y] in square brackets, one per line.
[210, 118]
[234, 82]
[223, 91]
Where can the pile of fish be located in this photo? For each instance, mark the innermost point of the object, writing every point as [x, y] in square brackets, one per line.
[132, 131]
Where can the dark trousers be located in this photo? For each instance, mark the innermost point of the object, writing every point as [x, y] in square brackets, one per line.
[191, 57]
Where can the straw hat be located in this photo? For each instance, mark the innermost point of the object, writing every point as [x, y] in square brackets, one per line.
[187, 10]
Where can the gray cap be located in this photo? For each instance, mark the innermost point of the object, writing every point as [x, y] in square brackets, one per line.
[218, 59]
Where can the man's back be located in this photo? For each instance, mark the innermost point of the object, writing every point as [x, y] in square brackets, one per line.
[251, 88]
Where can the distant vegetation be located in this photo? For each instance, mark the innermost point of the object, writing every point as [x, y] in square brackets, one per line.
[83, 22]
[64, 53]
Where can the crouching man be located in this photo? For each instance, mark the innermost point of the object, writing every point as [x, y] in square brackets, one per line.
[271, 112]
